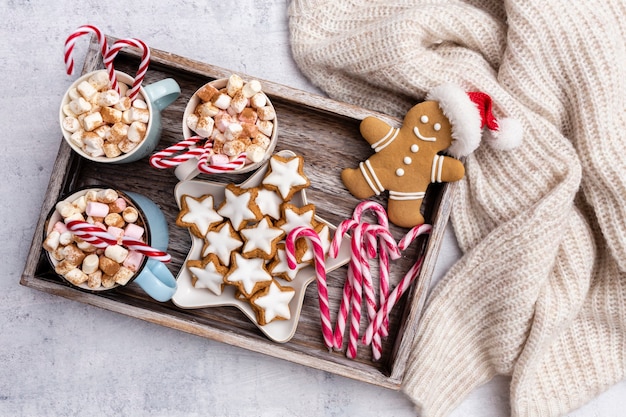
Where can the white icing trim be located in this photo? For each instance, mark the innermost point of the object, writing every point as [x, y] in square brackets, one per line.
[440, 168]
[417, 133]
[433, 168]
[386, 140]
[403, 196]
[367, 178]
[374, 176]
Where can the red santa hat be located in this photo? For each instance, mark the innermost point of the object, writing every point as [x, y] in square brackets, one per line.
[469, 114]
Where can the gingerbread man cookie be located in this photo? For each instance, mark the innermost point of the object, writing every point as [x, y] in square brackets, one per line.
[409, 158]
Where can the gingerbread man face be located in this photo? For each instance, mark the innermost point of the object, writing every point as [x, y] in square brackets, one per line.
[406, 161]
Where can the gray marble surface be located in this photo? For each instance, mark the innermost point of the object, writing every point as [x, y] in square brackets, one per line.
[60, 357]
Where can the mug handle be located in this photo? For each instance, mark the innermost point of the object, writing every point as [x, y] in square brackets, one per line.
[157, 281]
[162, 93]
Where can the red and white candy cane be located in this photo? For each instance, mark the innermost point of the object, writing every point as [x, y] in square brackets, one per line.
[320, 270]
[403, 285]
[166, 159]
[143, 248]
[71, 41]
[88, 232]
[143, 66]
[357, 291]
[101, 239]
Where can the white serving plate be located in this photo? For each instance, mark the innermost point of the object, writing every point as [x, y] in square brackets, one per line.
[189, 297]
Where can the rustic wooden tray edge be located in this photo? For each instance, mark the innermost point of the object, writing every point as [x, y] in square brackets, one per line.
[353, 370]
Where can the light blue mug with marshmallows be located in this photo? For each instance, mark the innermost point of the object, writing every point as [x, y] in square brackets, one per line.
[151, 275]
[76, 132]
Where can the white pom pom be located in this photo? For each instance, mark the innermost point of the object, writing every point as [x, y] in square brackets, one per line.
[507, 137]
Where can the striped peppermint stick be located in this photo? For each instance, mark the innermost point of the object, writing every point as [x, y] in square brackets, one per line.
[165, 159]
[233, 165]
[70, 42]
[385, 309]
[413, 234]
[344, 310]
[368, 287]
[320, 271]
[143, 66]
[101, 239]
[357, 292]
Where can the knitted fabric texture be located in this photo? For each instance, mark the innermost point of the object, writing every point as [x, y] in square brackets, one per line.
[540, 292]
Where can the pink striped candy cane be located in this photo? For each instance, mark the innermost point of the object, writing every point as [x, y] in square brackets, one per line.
[368, 286]
[165, 159]
[357, 292]
[385, 309]
[147, 250]
[412, 234]
[143, 66]
[320, 270]
[71, 41]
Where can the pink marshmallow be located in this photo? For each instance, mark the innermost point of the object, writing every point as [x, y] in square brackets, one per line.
[60, 227]
[219, 159]
[118, 205]
[133, 260]
[96, 209]
[116, 232]
[133, 230]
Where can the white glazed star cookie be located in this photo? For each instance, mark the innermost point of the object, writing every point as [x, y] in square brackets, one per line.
[286, 176]
[261, 239]
[272, 303]
[279, 268]
[198, 214]
[248, 275]
[269, 202]
[208, 273]
[239, 206]
[222, 241]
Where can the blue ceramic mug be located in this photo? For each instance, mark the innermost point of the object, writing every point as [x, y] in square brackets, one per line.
[157, 97]
[152, 275]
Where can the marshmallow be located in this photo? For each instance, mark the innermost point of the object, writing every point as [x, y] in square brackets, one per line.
[86, 90]
[233, 148]
[96, 209]
[107, 98]
[64, 267]
[107, 281]
[192, 121]
[123, 275]
[92, 121]
[234, 84]
[123, 89]
[204, 126]
[233, 131]
[136, 132]
[66, 209]
[139, 104]
[118, 132]
[222, 120]
[116, 253]
[79, 106]
[71, 124]
[248, 116]
[66, 238]
[123, 104]
[138, 114]
[133, 261]
[94, 280]
[80, 203]
[73, 255]
[130, 215]
[126, 145]
[60, 227]
[266, 113]
[117, 206]
[51, 243]
[90, 263]
[108, 266]
[111, 150]
[68, 111]
[207, 109]
[76, 276]
[86, 246]
[99, 80]
[76, 138]
[219, 159]
[111, 115]
[133, 230]
[261, 140]
[255, 153]
[238, 103]
[114, 219]
[73, 93]
[108, 195]
[265, 126]
[116, 232]
[258, 100]
[93, 144]
[251, 88]
[207, 92]
[222, 101]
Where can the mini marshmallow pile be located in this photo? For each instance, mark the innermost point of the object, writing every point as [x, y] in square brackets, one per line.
[237, 118]
[102, 122]
[81, 262]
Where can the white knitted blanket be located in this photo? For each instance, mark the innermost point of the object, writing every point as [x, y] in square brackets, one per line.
[540, 292]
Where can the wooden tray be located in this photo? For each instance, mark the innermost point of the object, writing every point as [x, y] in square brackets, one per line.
[326, 133]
